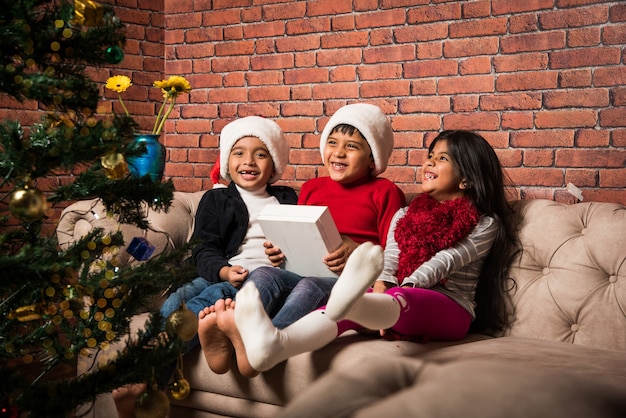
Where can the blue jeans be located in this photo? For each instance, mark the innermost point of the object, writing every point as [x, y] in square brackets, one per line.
[183, 294]
[287, 296]
[210, 295]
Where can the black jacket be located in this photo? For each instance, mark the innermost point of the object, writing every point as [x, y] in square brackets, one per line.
[222, 221]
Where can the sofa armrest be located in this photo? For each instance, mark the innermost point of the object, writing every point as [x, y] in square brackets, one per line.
[167, 231]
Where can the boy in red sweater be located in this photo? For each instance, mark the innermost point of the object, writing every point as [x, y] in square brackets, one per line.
[355, 147]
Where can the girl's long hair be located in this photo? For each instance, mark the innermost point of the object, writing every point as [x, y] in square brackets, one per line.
[477, 163]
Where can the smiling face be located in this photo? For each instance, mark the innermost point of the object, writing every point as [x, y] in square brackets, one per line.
[250, 164]
[348, 158]
[439, 175]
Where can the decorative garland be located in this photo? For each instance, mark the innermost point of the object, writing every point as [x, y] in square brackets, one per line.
[430, 226]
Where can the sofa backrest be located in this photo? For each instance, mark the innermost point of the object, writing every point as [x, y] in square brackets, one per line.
[569, 282]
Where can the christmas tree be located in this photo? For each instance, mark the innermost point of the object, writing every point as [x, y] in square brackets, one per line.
[60, 305]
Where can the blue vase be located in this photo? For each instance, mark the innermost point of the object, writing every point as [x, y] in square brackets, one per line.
[152, 162]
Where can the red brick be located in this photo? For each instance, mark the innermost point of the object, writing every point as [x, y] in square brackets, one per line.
[533, 42]
[385, 88]
[614, 35]
[618, 138]
[306, 75]
[465, 103]
[381, 37]
[538, 158]
[345, 22]
[380, 71]
[592, 138]
[571, 18]
[437, 68]
[476, 65]
[536, 176]
[339, 57]
[575, 78]
[433, 13]
[523, 23]
[336, 91]
[583, 37]
[328, 7]
[272, 62]
[419, 87]
[234, 48]
[416, 123]
[588, 57]
[482, 27]
[268, 93]
[264, 78]
[307, 25]
[484, 121]
[283, 12]
[618, 96]
[475, 9]
[520, 101]
[298, 43]
[467, 84]
[610, 76]
[425, 104]
[575, 98]
[566, 119]
[602, 158]
[430, 50]
[267, 110]
[421, 33]
[389, 54]
[340, 74]
[542, 139]
[613, 178]
[582, 177]
[499, 7]
[470, 47]
[617, 13]
[606, 195]
[613, 117]
[527, 81]
[392, 17]
[517, 120]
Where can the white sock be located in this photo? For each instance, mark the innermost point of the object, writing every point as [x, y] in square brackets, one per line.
[361, 271]
[375, 311]
[266, 345]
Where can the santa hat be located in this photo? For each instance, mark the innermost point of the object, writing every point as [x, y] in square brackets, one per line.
[372, 124]
[266, 130]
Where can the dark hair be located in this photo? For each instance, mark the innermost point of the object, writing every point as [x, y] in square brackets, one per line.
[346, 129]
[475, 161]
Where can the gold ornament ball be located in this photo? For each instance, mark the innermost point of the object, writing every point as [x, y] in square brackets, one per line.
[180, 389]
[114, 164]
[152, 403]
[182, 323]
[28, 204]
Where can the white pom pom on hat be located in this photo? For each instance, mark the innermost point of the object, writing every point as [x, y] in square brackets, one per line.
[266, 130]
[373, 124]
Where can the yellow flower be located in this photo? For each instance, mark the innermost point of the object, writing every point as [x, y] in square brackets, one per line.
[118, 83]
[171, 88]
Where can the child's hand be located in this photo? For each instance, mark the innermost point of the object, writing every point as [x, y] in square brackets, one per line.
[274, 254]
[381, 286]
[336, 260]
[237, 275]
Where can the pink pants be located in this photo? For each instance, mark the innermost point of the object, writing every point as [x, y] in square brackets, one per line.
[424, 314]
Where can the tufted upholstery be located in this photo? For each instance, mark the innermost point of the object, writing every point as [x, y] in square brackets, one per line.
[168, 230]
[571, 276]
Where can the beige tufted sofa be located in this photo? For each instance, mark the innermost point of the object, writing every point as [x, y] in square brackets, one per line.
[564, 354]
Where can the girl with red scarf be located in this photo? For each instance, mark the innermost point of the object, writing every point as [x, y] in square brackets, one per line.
[443, 269]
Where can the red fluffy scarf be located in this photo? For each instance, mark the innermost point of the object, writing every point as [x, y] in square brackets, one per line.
[430, 226]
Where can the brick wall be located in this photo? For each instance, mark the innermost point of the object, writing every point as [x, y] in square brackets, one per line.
[542, 80]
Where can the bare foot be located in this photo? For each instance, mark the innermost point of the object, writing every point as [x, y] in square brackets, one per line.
[125, 398]
[226, 323]
[216, 346]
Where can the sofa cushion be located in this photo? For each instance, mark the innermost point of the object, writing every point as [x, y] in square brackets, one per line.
[570, 278]
[404, 387]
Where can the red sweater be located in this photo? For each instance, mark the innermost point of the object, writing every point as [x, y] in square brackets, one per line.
[362, 211]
